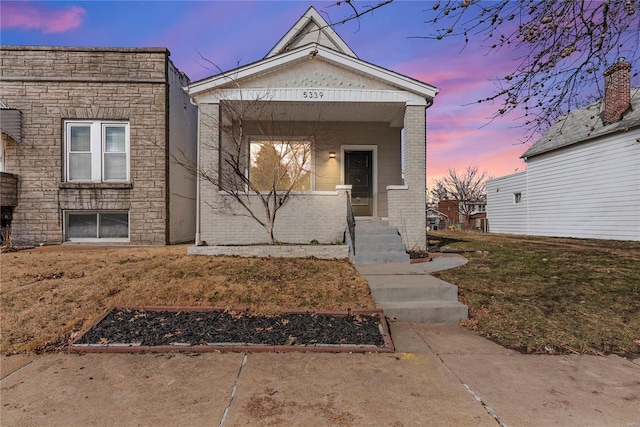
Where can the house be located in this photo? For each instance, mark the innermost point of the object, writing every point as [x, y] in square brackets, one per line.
[353, 117]
[470, 215]
[91, 139]
[583, 175]
[451, 208]
[436, 220]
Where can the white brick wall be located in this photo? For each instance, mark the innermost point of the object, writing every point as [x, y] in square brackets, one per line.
[328, 211]
[407, 205]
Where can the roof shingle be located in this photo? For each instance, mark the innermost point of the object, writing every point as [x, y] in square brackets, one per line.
[585, 124]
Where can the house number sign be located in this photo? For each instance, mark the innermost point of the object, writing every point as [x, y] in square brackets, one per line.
[312, 94]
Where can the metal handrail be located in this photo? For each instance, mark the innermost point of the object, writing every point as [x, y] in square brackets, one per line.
[351, 223]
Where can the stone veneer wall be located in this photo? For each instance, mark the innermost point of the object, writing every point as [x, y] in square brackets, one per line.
[50, 85]
[8, 189]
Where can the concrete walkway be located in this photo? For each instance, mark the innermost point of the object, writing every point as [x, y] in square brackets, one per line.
[441, 375]
[409, 293]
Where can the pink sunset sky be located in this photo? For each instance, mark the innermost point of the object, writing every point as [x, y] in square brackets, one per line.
[232, 33]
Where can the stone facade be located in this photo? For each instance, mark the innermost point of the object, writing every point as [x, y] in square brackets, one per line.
[51, 85]
[8, 189]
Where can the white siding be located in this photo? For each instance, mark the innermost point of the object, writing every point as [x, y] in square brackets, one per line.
[589, 190]
[183, 124]
[503, 214]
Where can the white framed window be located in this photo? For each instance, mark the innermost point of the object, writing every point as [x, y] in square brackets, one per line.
[97, 151]
[283, 164]
[97, 225]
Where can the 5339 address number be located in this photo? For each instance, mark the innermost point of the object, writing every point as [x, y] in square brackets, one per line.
[313, 94]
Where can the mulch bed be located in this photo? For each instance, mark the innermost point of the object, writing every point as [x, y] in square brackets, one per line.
[211, 329]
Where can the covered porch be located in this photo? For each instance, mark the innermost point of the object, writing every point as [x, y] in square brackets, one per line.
[350, 136]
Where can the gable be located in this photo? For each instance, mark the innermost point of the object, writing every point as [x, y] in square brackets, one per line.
[311, 28]
[312, 54]
[315, 74]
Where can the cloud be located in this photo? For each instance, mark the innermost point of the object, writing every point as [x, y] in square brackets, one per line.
[25, 16]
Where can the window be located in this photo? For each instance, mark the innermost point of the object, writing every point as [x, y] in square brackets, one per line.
[97, 151]
[517, 198]
[97, 225]
[280, 164]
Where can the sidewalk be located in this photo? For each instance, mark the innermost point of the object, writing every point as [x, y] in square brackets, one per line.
[440, 375]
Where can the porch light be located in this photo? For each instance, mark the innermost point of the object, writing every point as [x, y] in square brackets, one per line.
[332, 154]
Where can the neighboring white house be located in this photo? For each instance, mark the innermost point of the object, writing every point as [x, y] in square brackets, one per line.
[354, 115]
[583, 174]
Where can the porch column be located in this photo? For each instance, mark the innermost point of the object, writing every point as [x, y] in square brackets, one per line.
[208, 166]
[407, 203]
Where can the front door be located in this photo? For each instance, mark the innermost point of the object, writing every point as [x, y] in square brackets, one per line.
[358, 172]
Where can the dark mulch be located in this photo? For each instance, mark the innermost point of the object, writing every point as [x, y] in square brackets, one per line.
[160, 328]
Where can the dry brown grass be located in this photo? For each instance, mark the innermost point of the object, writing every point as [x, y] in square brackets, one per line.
[49, 294]
[550, 295]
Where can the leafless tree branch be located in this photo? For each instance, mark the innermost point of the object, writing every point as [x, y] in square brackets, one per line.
[467, 187]
[563, 48]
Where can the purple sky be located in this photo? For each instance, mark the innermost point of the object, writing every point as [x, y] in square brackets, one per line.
[232, 33]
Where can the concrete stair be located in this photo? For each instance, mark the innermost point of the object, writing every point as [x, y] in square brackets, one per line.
[413, 297]
[378, 243]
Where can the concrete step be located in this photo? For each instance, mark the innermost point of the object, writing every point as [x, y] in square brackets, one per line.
[381, 227]
[380, 247]
[377, 243]
[411, 288]
[425, 311]
[381, 257]
[377, 239]
[372, 222]
[376, 231]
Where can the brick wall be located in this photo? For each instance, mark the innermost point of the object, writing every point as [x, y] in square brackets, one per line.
[50, 85]
[407, 204]
[617, 91]
[223, 220]
[328, 210]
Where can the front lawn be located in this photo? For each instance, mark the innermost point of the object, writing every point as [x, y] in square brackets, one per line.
[536, 295]
[549, 295]
[50, 294]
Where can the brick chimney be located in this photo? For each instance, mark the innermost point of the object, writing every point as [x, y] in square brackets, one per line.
[617, 91]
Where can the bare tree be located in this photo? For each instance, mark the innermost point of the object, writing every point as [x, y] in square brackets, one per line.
[356, 11]
[466, 187]
[439, 192]
[263, 160]
[562, 47]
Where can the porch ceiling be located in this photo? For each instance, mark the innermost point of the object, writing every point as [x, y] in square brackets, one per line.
[392, 113]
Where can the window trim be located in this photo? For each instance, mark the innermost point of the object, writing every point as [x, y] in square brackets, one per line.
[285, 139]
[97, 141]
[97, 238]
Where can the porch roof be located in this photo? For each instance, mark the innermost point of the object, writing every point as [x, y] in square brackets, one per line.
[313, 51]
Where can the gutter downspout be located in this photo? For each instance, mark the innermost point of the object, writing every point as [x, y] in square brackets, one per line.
[527, 197]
